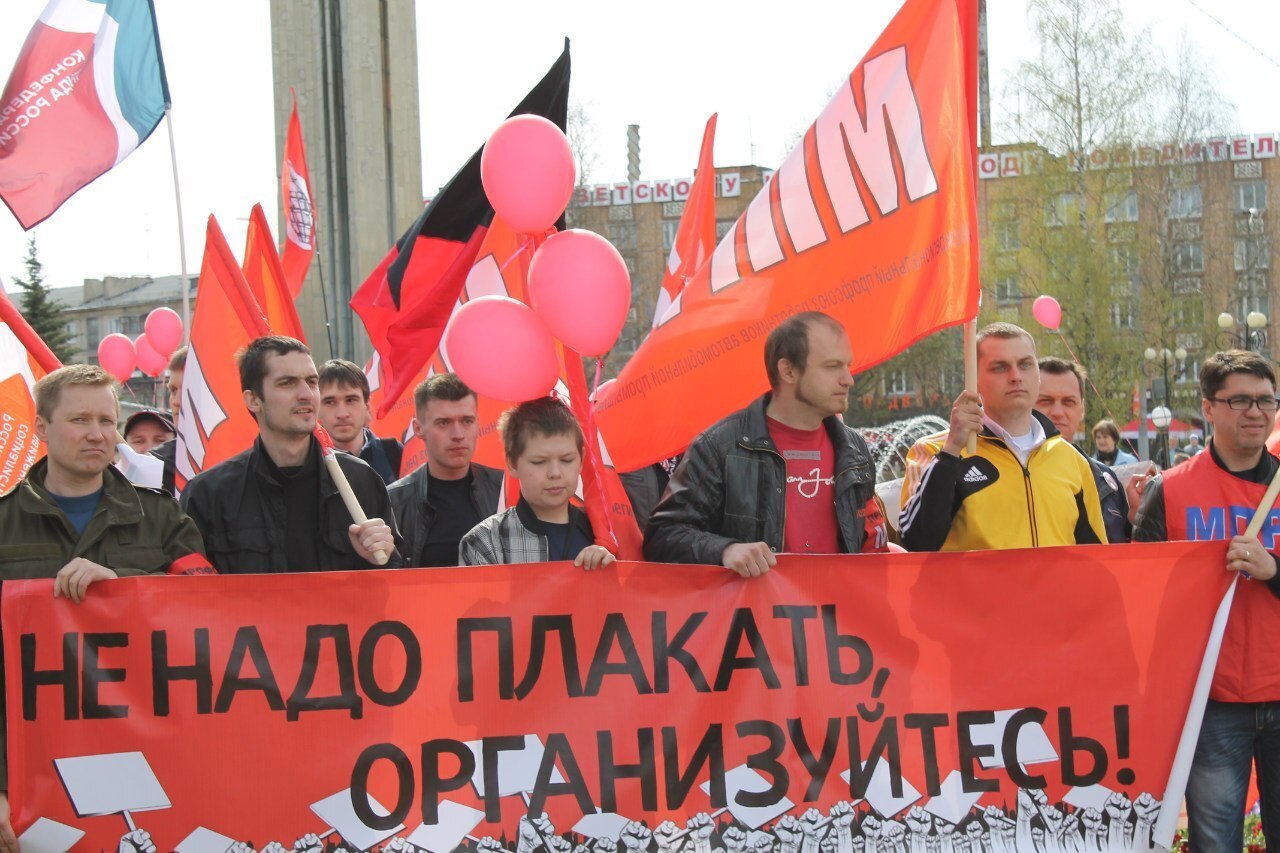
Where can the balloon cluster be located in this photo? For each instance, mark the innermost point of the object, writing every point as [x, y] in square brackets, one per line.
[578, 284]
[162, 334]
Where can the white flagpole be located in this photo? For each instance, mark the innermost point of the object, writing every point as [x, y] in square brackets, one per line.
[1176, 789]
[182, 236]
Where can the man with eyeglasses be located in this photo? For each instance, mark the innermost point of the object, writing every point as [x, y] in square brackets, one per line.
[1212, 496]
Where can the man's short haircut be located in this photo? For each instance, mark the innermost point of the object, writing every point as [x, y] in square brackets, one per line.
[790, 340]
[252, 360]
[544, 416]
[178, 361]
[48, 390]
[1218, 367]
[442, 386]
[1058, 366]
[1107, 426]
[1002, 331]
[344, 373]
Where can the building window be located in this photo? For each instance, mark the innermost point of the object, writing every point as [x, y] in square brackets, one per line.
[1121, 206]
[1062, 210]
[1251, 196]
[1007, 239]
[1188, 257]
[1188, 311]
[1122, 314]
[1247, 302]
[92, 334]
[669, 230]
[622, 236]
[1007, 290]
[1124, 262]
[1253, 254]
[895, 383]
[1185, 202]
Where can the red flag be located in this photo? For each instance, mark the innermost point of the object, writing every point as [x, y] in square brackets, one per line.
[696, 234]
[24, 359]
[871, 218]
[406, 302]
[213, 423]
[299, 208]
[266, 278]
[87, 88]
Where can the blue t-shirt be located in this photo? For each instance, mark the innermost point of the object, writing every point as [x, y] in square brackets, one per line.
[564, 542]
[79, 510]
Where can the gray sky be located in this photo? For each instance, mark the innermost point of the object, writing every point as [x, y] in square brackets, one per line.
[766, 67]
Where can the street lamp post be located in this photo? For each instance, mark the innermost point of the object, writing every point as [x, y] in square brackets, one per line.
[1162, 417]
[1253, 335]
[1158, 364]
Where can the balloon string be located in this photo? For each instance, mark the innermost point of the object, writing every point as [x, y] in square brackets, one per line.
[1096, 392]
[530, 240]
[517, 253]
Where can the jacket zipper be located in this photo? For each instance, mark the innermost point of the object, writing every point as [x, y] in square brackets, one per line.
[1031, 499]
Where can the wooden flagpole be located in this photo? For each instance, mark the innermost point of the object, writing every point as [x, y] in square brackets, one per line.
[1264, 507]
[971, 373]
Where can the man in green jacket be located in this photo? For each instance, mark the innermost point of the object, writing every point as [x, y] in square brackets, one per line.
[76, 519]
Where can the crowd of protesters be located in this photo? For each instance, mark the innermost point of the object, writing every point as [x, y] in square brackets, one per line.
[783, 475]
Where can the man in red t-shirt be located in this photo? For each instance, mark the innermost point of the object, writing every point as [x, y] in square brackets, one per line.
[784, 474]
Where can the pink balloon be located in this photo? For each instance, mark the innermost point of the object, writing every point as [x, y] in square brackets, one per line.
[579, 284]
[1047, 310]
[528, 173]
[502, 349]
[164, 331]
[150, 362]
[116, 355]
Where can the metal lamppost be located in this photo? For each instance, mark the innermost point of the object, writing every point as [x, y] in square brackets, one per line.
[1162, 417]
[1158, 365]
[1253, 335]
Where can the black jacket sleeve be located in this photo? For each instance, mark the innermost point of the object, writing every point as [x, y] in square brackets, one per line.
[1149, 525]
[925, 520]
[679, 528]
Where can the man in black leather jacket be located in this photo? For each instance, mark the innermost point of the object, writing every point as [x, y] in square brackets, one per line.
[442, 500]
[275, 508]
[783, 474]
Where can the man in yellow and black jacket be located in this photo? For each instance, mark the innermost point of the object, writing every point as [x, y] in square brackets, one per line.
[1025, 487]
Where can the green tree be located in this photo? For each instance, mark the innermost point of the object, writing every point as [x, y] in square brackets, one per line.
[42, 311]
[1113, 241]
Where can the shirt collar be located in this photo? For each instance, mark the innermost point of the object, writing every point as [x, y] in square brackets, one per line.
[1038, 436]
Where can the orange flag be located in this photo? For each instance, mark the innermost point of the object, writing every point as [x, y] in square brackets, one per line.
[24, 359]
[696, 234]
[299, 207]
[871, 218]
[265, 275]
[214, 424]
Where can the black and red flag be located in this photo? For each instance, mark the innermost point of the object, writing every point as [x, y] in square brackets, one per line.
[406, 302]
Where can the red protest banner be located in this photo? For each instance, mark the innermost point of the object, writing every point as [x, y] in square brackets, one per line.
[990, 693]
